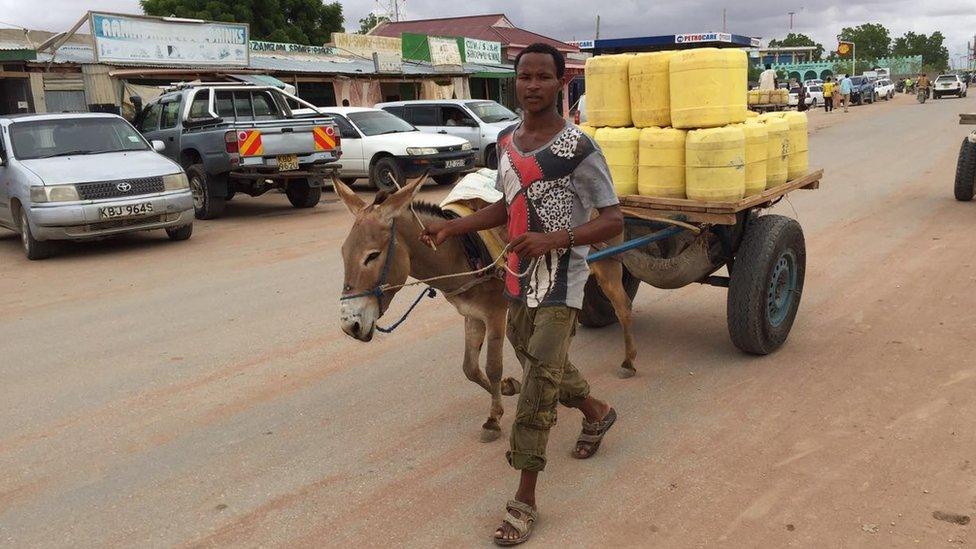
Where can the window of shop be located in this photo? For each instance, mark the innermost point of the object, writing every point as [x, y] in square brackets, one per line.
[320, 94]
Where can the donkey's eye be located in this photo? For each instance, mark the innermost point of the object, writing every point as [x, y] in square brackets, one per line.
[371, 257]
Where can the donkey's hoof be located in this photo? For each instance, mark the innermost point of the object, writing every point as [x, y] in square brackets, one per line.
[489, 434]
[511, 386]
[627, 370]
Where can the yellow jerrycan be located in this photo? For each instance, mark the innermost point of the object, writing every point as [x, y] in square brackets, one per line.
[661, 163]
[608, 90]
[650, 90]
[620, 146]
[715, 164]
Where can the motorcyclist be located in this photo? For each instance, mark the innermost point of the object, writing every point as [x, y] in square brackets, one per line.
[923, 83]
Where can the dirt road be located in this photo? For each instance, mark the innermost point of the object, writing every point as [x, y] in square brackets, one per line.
[201, 393]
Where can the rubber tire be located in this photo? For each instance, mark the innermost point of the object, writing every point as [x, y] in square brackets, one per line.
[178, 234]
[597, 311]
[301, 194]
[491, 158]
[378, 180]
[349, 181]
[447, 178]
[765, 240]
[965, 186]
[205, 204]
[34, 249]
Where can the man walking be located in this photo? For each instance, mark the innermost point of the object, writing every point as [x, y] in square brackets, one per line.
[553, 176]
[846, 87]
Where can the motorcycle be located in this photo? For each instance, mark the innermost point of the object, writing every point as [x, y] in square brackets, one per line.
[923, 94]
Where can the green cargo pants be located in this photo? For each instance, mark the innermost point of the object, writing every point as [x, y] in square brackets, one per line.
[541, 339]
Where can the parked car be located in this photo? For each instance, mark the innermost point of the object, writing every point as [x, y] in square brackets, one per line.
[814, 96]
[862, 91]
[86, 176]
[884, 89]
[378, 145]
[814, 82]
[948, 84]
[242, 139]
[475, 120]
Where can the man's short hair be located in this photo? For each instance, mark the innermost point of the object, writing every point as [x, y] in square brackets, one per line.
[539, 47]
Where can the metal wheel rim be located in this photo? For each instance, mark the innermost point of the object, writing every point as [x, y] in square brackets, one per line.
[196, 189]
[782, 289]
[24, 228]
[383, 176]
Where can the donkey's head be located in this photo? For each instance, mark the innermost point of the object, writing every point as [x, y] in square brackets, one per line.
[372, 257]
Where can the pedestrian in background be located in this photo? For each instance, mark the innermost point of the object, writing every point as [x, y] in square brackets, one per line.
[828, 94]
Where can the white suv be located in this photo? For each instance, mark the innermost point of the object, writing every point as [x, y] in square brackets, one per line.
[948, 84]
[884, 89]
[476, 120]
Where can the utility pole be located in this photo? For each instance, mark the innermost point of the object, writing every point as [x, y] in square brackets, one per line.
[597, 37]
[725, 27]
[792, 13]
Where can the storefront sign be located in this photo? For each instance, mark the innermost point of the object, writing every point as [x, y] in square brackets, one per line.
[482, 51]
[133, 39]
[444, 53]
[365, 45]
[282, 47]
[387, 63]
[702, 37]
[582, 44]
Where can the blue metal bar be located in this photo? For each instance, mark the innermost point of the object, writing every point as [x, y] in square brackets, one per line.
[634, 244]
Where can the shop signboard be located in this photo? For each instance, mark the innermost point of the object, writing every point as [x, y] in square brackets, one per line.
[387, 63]
[482, 51]
[444, 53]
[702, 37]
[364, 45]
[141, 40]
[283, 47]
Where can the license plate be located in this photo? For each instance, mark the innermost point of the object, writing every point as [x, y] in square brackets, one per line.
[454, 163]
[129, 210]
[287, 162]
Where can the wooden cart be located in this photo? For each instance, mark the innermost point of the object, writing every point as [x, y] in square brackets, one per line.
[965, 183]
[671, 243]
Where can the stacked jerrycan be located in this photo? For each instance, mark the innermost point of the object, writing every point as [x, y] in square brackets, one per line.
[676, 124]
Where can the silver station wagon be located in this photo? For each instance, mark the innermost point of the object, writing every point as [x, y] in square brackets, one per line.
[86, 176]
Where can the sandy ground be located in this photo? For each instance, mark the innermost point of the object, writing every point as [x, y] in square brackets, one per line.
[201, 393]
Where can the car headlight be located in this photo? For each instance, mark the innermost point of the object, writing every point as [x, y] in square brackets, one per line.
[175, 182]
[417, 151]
[466, 147]
[54, 193]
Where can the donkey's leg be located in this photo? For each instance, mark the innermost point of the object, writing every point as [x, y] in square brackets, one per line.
[474, 338]
[495, 323]
[609, 275]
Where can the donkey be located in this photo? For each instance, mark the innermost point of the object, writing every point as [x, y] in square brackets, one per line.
[384, 248]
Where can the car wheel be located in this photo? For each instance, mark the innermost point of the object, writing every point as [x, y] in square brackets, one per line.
[34, 249]
[205, 204]
[447, 178]
[491, 159]
[382, 170]
[302, 194]
[177, 234]
[349, 181]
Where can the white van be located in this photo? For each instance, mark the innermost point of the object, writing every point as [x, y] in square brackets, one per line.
[477, 120]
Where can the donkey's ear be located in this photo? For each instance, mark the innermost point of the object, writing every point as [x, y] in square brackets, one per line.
[392, 206]
[349, 198]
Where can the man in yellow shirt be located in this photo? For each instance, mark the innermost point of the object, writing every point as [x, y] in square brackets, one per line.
[828, 94]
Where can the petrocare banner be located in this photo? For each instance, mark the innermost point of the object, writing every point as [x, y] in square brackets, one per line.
[133, 39]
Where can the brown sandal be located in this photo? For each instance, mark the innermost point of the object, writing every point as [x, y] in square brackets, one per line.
[522, 525]
[592, 435]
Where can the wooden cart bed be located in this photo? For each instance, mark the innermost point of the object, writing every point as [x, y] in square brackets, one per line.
[716, 213]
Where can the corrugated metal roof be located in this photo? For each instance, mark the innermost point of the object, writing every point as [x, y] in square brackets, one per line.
[6, 46]
[482, 27]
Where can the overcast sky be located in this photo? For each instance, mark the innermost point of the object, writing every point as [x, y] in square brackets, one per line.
[569, 19]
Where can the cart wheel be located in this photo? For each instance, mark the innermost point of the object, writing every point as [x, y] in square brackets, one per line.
[766, 284]
[966, 171]
[597, 310]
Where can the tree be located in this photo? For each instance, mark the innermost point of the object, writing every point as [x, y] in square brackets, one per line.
[300, 21]
[799, 40]
[367, 23]
[931, 48]
[871, 40]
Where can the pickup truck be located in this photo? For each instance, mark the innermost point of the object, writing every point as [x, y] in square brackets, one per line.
[862, 90]
[242, 139]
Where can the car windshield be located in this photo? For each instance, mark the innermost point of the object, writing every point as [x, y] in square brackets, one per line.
[73, 136]
[490, 112]
[946, 79]
[379, 122]
[857, 80]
